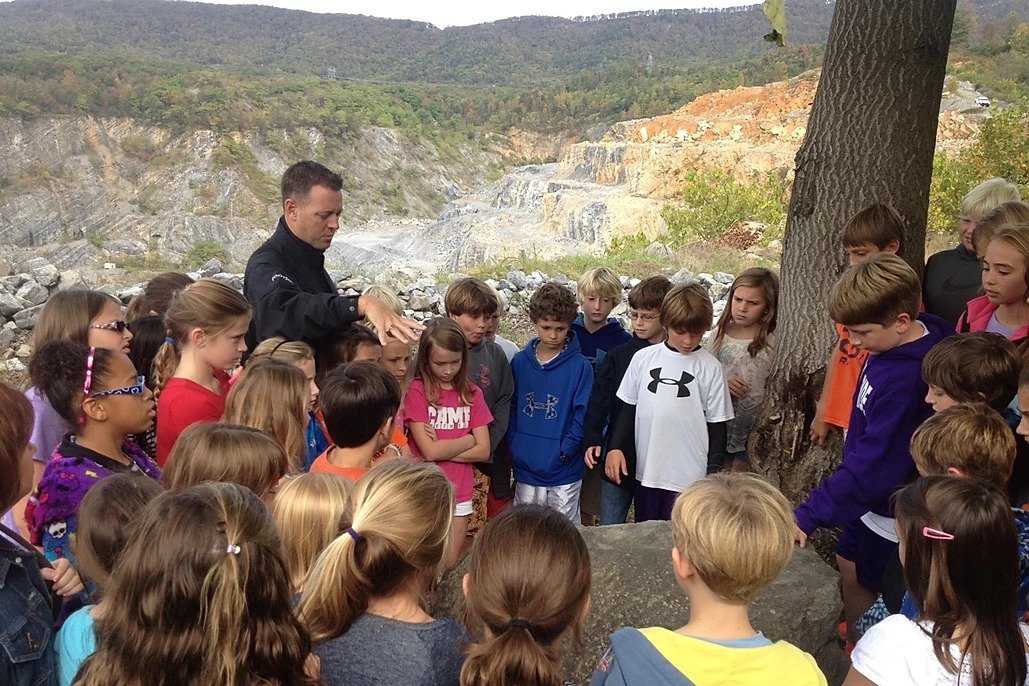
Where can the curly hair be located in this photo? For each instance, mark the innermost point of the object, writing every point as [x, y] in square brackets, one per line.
[553, 301]
[58, 369]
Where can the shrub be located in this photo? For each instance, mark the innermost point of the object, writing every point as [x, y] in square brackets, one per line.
[713, 201]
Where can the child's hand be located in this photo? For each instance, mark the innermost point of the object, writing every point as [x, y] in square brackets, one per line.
[738, 387]
[592, 455]
[64, 577]
[615, 467]
[819, 431]
[799, 536]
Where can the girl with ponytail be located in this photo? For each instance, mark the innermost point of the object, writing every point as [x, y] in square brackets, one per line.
[201, 597]
[528, 584]
[364, 598]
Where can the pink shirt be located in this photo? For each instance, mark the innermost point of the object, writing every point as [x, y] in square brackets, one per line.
[451, 419]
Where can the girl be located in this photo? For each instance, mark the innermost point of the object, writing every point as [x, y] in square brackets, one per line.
[206, 323]
[357, 343]
[300, 354]
[744, 343]
[447, 418]
[273, 396]
[364, 600]
[226, 452]
[959, 549]
[396, 354]
[310, 510]
[528, 584]
[200, 596]
[99, 393]
[147, 338]
[158, 293]
[1003, 308]
[106, 516]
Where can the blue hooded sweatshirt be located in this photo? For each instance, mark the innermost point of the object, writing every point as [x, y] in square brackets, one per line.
[595, 345]
[547, 412]
[889, 405]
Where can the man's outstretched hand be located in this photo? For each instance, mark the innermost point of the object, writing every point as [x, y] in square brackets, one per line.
[388, 323]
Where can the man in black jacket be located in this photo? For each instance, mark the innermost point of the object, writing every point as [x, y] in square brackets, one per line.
[286, 282]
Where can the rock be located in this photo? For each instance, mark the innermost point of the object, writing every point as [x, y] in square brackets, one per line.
[6, 266]
[722, 277]
[71, 279]
[683, 276]
[718, 291]
[12, 283]
[35, 263]
[633, 282]
[24, 351]
[13, 366]
[504, 285]
[561, 279]
[127, 294]
[633, 585]
[517, 280]
[357, 284]
[9, 305]
[230, 280]
[624, 280]
[420, 301]
[26, 319]
[656, 249]
[6, 338]
[536, 279]
[46, 276]
[705, 279]
[32, 293]
[211, 267]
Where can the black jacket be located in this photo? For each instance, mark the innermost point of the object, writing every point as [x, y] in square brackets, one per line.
[952, 278]
[292, 294]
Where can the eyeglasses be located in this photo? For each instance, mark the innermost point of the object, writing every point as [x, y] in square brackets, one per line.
[634, 315]
[118, 325]
[138, 389]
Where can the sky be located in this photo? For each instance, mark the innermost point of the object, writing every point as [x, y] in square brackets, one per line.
[450, 13]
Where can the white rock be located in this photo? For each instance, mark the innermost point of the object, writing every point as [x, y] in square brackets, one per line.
[70, 279]
[47, 275]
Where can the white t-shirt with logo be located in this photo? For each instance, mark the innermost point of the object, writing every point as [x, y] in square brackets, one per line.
[676, 396]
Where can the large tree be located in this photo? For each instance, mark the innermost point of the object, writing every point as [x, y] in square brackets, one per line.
[870, 139]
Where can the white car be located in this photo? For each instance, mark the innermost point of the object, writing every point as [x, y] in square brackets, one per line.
[982, 101]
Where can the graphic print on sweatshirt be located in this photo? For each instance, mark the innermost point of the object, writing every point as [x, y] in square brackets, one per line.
[482, 378]
[863, 392]
[548, 407]
[450, 417]
[682, 383]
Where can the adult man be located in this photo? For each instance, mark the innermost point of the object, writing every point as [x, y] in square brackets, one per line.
[285, 280]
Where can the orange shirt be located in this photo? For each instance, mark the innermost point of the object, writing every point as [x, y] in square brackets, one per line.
[321, 465]
[848, 361]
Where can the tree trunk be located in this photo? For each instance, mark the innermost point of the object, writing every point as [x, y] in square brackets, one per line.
[870, 139]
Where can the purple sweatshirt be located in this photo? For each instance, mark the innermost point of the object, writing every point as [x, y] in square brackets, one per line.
[888, 406]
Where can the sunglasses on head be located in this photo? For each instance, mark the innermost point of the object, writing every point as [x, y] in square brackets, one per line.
[118, 325]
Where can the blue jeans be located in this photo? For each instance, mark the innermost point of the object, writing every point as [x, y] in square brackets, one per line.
[614, 502]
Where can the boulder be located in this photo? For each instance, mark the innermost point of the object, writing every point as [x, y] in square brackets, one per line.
[230, 280]
[6, 338]
[26, 319]
[211, 267]
[656, 249]
[633, 585]
[71, 279]
[47, 275]
[518, 280]
[9, 305]
[683, 276]
[13, 283]
[32, 293]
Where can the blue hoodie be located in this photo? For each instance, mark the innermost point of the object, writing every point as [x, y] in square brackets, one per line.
[547, 412]
[595, 345]
[889, 405]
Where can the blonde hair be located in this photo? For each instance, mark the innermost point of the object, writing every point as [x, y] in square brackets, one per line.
[736, 530]
[207, 305]
[1017, 236]
[687, 308]
[1013, 212]
[876, 291]
[387, 297]
[768, 282]
[278, 348]
[310, 511]
[402, 515]
[982, 199]
[273, 396]
[600, 282]
[972, 437]
[225, 452]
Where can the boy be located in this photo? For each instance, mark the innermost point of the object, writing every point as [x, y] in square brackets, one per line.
[604, 407]
[873, 230]
[552, 387]
[731, 539]
[359, 402]
[509, 347]
[971, 367]
[472, 303]
[877, 302]
[598, 291]
[677, 403]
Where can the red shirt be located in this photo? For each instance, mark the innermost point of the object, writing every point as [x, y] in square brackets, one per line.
[184, 403]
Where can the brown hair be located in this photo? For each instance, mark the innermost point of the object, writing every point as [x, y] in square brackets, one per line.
[528, 584]
[687, 308]
[1017, 236]
[157, 295]
[310, 511]
[1013, 212]
[949, 581]
[649, 293]
[67, 314]
[300, 177]
[553, 301]
[876, 291]
[225, 452]
[207, 305]
[971, 437]
[402, 515]
[972, 367]
[768, 282]
[15, 431]
[343, 348]
[357, 399]
[200, 596]
[472, 297]
[106, 517]
[445, 334]
[279, 348]
[877, 224]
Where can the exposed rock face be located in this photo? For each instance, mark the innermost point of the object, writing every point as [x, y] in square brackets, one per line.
[633, 585]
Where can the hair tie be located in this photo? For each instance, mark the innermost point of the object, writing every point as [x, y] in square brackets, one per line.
[170, 341]
[519, 623]
[354, 535]
[232, 550]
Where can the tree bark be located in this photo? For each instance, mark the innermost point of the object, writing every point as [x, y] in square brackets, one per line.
[870, 139]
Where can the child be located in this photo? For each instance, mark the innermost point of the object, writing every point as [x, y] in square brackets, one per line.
[207, 323]
[300, 354]
[471, 303]
[357, 343]
[510, 348]
[157, 295]
[1013, 212]
[364, 600]
[226, 452]
[597, 292]
[396, 354]
[677, 405]
[275, 397]
[873, 230]
[359, 402]
[528, 584]
[971, 367]
[106, 516]
[99, 393]
[1003, 308]
[744, 342]
[310, 511]
[201, 595]
[552, 387]
[447, 418]
[960, 563]
[731, 539]
[645, 300]
[877, 302]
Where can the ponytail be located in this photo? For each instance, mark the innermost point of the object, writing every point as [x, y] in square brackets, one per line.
[165, 362]
[515, 657]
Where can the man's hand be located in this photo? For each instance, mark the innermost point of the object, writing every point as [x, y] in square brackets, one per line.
[615, 467]
[738, 387]
[591, 456]
[64, 577]
[799, 536]
[388, 323]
